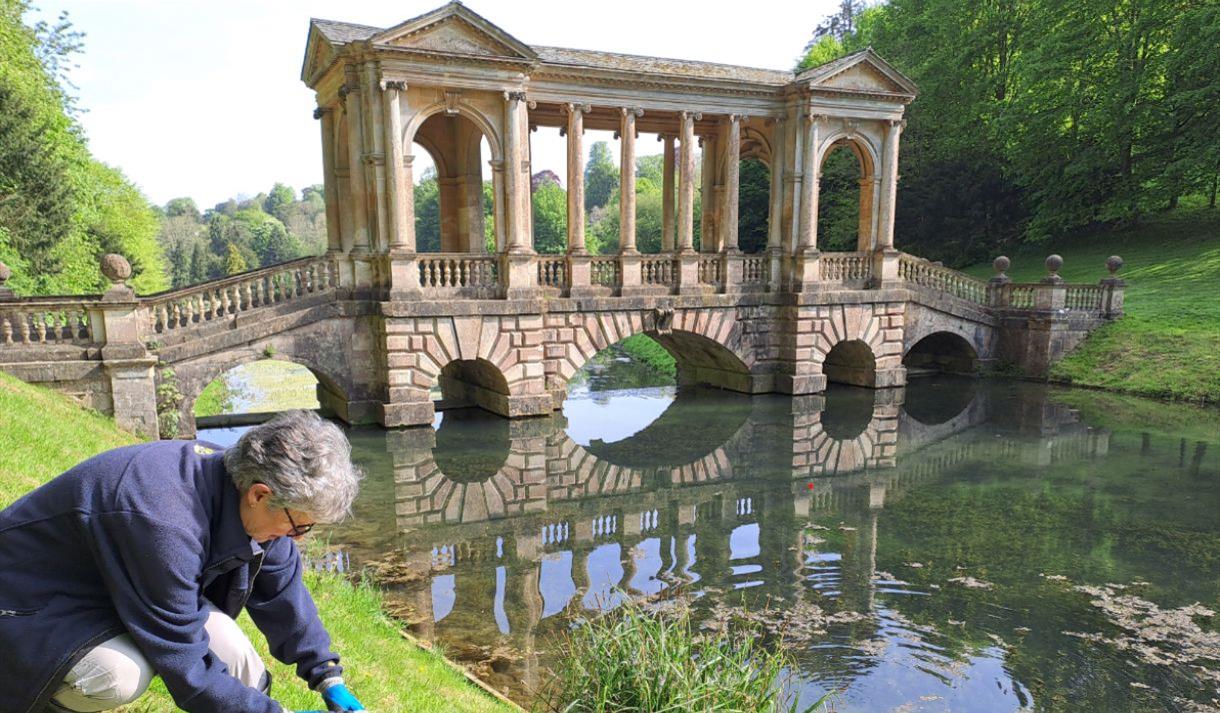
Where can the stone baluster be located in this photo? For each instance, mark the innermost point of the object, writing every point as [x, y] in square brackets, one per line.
[997, 295]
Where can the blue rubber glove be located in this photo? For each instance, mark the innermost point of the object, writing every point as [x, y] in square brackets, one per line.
[338, 698]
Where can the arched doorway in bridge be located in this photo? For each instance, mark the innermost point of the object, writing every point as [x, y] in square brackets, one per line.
[851, 362]
[941, 353]
[847, 197]
[454, 194]
[473, 382]
[258, 388]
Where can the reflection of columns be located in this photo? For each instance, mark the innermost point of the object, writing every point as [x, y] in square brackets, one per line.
[350, 94]
[732, 182]
[626, 203]
[516, 180]
[378, 157]
[401, 200]
[329, 186]
[810, 170]
[686, 184]
[889, 185]
[576, 178]
[667, 193]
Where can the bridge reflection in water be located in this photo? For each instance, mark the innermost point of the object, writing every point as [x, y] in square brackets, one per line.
[498, 528]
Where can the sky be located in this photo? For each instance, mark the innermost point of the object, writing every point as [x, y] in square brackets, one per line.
[204, 99]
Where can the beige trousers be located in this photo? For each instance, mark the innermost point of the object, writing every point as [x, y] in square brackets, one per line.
[115, 673]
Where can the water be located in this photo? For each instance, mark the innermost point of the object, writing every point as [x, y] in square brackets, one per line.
[957, 546]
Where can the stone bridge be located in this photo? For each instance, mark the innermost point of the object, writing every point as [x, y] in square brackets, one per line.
[384, 326]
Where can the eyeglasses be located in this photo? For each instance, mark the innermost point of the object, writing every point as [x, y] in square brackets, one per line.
[297, 530]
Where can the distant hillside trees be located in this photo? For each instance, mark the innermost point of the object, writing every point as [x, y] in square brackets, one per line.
[60, 209]
[239, 235]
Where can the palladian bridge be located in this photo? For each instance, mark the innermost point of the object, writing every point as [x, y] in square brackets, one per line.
[382, 325]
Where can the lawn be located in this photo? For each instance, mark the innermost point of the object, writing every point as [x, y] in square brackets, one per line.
[43, 433]
[1168, 343]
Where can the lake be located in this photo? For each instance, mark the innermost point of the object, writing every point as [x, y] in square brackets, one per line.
[958, 545]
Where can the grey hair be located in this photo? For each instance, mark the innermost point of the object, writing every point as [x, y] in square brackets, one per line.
[304, 459]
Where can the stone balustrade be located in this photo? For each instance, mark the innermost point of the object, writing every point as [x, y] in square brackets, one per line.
[168, 312]
[459, 274]
[853, 268]
[48, 321]
[917, 271]
[658, 270]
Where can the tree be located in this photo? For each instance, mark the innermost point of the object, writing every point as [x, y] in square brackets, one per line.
[601, 176]
[182, 207]
[234, 263]
[428, 213]
[273, 244]
[753, 205]
[550, 215]
[279, 201]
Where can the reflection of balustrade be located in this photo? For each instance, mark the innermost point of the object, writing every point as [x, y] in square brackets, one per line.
[171, 311]
[47, 321]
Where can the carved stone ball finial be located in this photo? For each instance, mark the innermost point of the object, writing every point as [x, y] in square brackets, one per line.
[1114, 263]
[5, 273]
[116, 268]
[1001, 265]
[1054, 264]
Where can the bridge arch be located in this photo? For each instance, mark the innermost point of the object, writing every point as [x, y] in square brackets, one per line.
[946, 352]
[708, 345]
[333, 389]
[463, 109]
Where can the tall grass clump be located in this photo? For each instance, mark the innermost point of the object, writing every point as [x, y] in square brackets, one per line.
[633, 660]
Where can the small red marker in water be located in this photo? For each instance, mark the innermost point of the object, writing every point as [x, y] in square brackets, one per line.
[809, 485]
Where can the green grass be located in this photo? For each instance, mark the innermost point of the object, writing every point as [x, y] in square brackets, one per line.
[265, 385]
[645, 349]
[1168, 343]
[633, 660]
[43, 433]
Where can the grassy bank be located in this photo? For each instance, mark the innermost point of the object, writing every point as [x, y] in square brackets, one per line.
[1168, 344]
[42, 434]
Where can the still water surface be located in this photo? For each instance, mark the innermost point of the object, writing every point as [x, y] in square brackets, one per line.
[958, 545]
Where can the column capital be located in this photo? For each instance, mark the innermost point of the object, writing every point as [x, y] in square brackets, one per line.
[631, 110]
[514, 96]
[349, 88]
[695, 115]
[575, 107]
[496, 164]
[321, 111]
[408, 160]
[899, 124]
[393, 85]
[811, 117]
[737, 118]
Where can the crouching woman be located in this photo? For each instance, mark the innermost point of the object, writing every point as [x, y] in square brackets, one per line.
[135, 563]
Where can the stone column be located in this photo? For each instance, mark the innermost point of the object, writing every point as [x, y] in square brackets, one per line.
[709, 238]
[334, 242]
[806, 269]
[516, 175]
[889, 185]
[498, 200]
[377, 157]
[667, 193]
[775, 218]
[576, 178]
[350, 94]
[400, 199]
[686, 184]
[688, 259]
[732, 184]
[518, 271]
[627, 180]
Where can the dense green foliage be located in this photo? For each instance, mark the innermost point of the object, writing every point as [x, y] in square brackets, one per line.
[1039, 118]
[236, 236]
[60, 209]
[1166, 345]
[645, 350]
[633, 660]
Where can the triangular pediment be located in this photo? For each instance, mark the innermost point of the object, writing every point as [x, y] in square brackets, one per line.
[454, 29]
[863, 71]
